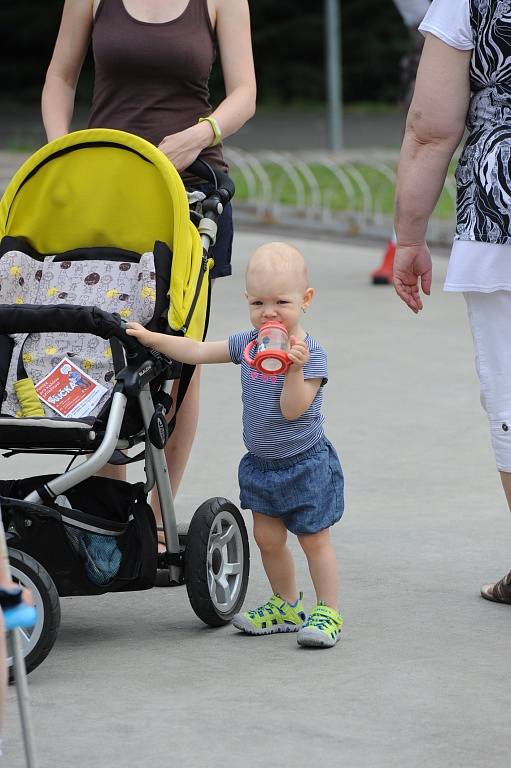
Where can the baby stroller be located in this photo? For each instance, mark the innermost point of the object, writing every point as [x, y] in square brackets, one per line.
[96, 230]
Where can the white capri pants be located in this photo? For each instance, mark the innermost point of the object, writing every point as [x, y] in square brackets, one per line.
[490, 321]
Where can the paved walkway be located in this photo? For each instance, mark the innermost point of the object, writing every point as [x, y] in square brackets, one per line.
[421, 676]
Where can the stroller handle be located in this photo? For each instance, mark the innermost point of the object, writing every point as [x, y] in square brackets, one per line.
[65, 318]
[219, 179]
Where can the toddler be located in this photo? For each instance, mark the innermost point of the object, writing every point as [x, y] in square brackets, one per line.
[291, 477]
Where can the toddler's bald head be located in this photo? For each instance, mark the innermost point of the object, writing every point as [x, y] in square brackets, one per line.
[280, 260]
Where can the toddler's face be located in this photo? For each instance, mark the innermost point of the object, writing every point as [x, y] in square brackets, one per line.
[277, 297]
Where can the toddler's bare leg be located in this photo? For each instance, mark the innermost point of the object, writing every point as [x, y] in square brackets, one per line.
[322, 562]
[270, 534]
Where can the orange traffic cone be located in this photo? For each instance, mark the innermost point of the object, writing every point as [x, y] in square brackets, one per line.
[383, 275]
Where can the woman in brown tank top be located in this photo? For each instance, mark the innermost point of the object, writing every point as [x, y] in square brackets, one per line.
[152, 63]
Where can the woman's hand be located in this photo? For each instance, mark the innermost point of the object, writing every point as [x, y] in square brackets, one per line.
[298, 353]
[184, 147]
[411, 263]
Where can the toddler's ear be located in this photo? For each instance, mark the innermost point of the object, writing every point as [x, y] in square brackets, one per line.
[307, 297]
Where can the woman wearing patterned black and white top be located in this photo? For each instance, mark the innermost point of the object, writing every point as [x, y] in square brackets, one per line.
[464, 78]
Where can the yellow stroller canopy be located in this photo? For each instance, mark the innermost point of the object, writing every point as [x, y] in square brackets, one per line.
[107, 188]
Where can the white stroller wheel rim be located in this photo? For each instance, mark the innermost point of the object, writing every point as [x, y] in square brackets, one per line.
[29, 637]
[225, 557]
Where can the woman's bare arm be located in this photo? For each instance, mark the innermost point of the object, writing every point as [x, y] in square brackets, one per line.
[235, 44]
[58, 95]
[232, 25]
[434, 128]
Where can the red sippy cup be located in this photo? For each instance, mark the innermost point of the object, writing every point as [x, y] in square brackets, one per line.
[271, 351]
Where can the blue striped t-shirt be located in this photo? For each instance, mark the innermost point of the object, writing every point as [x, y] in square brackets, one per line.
[265, 430]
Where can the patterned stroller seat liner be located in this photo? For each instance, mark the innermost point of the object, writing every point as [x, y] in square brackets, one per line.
[117, 281]
[120, 282]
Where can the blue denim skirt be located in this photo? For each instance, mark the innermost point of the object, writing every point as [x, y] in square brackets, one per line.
[306, 491]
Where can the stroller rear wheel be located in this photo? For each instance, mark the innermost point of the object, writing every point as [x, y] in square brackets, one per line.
[36, 642]
[217, 561]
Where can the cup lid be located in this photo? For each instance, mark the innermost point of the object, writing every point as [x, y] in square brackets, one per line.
[273, 324]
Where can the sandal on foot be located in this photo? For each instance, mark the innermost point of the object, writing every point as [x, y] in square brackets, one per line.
[277, 615]
[500, 592]
[322, 629]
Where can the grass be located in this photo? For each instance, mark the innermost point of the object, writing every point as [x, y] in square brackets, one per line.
[365, 189]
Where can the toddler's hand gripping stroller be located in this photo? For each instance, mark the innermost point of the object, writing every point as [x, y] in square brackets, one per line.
[95, 229]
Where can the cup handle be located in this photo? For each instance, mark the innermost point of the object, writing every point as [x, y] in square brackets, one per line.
[246, 353]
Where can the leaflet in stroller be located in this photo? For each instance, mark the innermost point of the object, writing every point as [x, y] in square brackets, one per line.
[95, 231]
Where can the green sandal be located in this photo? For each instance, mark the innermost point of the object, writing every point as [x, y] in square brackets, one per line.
[322, 629]
[277, 615]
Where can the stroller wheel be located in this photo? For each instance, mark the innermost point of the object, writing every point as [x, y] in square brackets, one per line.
[217, 561]
[37, 642]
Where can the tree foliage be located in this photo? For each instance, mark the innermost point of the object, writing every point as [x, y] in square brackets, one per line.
[288, 40]
[289, 46]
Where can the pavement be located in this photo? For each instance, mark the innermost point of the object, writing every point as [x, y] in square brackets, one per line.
[421, 674]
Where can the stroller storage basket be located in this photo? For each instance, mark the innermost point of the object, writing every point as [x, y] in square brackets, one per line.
[100, 536]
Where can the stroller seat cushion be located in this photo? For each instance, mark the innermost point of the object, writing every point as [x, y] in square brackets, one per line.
[116, 280]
